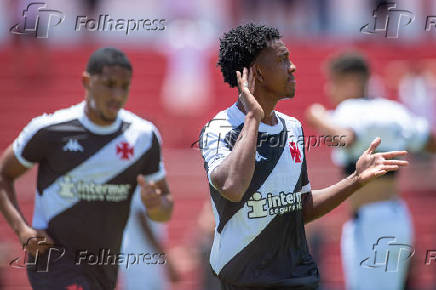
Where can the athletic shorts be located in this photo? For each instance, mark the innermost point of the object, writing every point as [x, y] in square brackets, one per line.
[376, 246]
[52, 272]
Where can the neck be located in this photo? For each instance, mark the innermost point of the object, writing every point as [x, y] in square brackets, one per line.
[268, 104]
[93, 115]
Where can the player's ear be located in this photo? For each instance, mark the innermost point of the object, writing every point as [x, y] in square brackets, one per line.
[258, 73]
[85, 79]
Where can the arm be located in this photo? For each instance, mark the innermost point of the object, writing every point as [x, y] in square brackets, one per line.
[318, 118]
[233, 176]
[11, 169]
[156, 198]
[368, 167]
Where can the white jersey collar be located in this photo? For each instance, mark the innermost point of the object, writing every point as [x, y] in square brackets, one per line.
[97, 129]
[238, 115]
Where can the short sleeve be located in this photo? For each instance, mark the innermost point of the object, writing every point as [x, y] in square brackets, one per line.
[30, 145]
[305, 183]
[154, 168]
[215, 147]
[415, 131]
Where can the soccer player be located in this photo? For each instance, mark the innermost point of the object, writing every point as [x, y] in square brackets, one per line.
[380, 216]
[90, 159]
[257, 171]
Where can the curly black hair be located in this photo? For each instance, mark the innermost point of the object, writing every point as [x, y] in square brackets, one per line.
[240, 46]
[350, 62]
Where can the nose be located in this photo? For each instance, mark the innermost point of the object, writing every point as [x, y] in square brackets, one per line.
[118, 94]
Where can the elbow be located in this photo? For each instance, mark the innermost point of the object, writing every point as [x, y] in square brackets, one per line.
[230, 187]
[232, 192]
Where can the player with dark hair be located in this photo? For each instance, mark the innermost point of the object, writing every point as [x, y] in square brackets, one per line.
[90, 159]
[257, 171]
[380, 216]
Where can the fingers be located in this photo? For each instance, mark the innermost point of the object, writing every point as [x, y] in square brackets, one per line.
[392, 154]
[142, 182]
[396, 162]
[373, 145]
[251, 80]
[242, 80]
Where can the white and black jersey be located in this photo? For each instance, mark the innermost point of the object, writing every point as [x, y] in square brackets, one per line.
[370, 118]
[86, 178]
[260, 241]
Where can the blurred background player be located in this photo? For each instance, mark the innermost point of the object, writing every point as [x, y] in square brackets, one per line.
[377, 209]
[143, 235]
[91, 157]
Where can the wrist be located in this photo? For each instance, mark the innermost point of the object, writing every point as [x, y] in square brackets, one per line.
[251, 115]
[20, 228]
[355, 180]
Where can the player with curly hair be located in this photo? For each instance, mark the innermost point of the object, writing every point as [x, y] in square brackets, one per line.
[256, 167]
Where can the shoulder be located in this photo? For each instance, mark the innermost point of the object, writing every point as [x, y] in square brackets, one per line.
[220, 123]
[291, 123]
[140, 124]
[47, 120]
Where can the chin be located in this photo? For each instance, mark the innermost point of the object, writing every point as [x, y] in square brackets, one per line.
[109, 118]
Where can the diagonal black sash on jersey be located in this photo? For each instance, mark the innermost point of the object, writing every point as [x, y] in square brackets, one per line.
[263, 169]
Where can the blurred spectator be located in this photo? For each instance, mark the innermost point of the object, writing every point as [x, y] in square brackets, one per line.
[417, 90]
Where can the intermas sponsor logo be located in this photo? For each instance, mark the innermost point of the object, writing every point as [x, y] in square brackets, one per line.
[92, 192]
[273, 204]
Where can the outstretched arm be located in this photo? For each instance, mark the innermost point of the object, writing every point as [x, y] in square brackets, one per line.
[317, 117]
[369, 166]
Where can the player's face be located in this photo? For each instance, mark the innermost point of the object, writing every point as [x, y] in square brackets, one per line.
[107, 93]
[277, 70]
[341, 87]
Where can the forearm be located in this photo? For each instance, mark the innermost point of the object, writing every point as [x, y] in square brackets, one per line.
[234, 174]
[9, 206]
[322, 201]
[162, 213]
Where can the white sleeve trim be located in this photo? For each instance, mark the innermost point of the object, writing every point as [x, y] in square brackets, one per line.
[157, 175]
[20, 158]
[306, 188]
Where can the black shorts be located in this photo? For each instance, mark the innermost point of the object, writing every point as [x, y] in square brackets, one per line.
[51, 272]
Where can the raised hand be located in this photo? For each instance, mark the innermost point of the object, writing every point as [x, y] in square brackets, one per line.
[150, 194]
[246, 85]
[371, 165]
